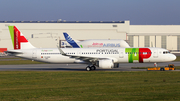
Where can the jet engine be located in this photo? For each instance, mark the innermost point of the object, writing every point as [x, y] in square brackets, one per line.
[106, 64]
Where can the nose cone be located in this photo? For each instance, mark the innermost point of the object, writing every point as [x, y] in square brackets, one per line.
[172, 57]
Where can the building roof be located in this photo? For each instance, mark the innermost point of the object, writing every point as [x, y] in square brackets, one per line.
[62, 21]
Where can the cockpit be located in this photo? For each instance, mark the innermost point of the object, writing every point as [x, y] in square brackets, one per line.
[166, 52]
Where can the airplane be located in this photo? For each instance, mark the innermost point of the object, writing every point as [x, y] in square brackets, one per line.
[105, 58]
[95, 42]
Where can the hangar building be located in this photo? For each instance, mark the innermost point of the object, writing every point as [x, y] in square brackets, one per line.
[48, 34]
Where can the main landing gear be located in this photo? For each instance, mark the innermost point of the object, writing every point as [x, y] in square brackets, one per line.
[89, 68]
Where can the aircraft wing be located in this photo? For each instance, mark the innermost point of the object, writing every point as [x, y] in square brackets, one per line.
[84, 58]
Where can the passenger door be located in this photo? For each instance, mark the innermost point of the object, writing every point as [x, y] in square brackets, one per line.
[155, 53]
[121, 54]
[34, 55]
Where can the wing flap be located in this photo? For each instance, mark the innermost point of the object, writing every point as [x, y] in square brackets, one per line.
[83, 58]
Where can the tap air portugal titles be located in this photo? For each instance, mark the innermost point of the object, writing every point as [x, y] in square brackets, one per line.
[105, 58]
[95, 42]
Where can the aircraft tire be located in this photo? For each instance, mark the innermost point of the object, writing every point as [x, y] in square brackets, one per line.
[162, 69]
[88, 68]
[93, 68]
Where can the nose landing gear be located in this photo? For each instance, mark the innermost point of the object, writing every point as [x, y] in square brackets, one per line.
[155, 64]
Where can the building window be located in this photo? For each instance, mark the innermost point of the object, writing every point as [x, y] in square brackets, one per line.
[130, 40]
[146, 41]
[114, 25]
[163, 42]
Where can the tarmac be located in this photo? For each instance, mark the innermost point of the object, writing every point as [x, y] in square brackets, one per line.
[78, 67]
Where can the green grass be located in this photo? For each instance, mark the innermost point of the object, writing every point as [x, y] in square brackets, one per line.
[16, 61]
[101, 86]
[4, 58]
[177, 67]
[19, 62]
[177, 58]
[139, 67]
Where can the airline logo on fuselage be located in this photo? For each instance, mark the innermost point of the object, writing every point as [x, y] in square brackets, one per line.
[104, 45]
[107, 51]
[100, 44]
[138, 54]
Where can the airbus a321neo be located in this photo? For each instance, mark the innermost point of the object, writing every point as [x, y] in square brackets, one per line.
[106, 58]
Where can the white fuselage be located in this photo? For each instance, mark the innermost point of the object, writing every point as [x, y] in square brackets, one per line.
[118, 55]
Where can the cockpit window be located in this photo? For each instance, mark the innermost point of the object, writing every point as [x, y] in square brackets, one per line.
[166, 52]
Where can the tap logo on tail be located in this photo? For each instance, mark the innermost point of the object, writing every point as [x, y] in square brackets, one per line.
[18, 39]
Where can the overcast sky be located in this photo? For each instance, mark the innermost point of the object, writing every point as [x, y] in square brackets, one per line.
[139, 12]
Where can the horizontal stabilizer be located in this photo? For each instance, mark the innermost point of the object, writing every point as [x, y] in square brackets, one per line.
[14, 52]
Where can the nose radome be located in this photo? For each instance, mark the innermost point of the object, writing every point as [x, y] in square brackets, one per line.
[173, 57]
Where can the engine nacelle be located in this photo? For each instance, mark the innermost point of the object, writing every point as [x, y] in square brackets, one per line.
[106, 64]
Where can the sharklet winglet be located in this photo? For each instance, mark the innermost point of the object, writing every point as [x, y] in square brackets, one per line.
[60, 50]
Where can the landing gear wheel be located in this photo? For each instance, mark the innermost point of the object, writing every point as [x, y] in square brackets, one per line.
[93, 68]
[88, 68]
[155, 64]
[162, 69]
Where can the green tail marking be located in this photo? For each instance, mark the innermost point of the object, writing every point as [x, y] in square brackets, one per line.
[11, 30]
[81, 46]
